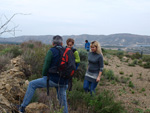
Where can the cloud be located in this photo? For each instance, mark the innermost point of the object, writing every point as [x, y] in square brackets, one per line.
[79, 16]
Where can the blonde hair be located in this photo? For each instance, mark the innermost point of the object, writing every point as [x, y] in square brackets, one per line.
[98, 47]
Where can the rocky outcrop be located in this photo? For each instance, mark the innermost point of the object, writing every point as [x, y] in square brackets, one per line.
[13, 85]
[36, 108]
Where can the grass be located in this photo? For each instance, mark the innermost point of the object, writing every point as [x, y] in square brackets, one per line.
[121, 72]
[143, 89]
[108, 74]
[124, 79]
[131, 75]
[131, 84]
[102, 102]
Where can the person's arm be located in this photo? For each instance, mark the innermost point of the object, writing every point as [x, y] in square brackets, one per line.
[99, 76]
[89, 44]
[77, 57]
[47, 63]
[101, 69]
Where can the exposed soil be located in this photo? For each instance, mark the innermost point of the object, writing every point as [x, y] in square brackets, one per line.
[132, 98]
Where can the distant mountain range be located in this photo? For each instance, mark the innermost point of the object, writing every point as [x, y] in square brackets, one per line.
[122, 39]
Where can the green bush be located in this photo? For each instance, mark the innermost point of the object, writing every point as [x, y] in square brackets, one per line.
[97, 103]
[121, 72]
[131, 84]
[146, 58]
[14, 50]
[2, 47]
[108, 74]
[131, 75]
[4, 60]
[83, 55]
[104, 103]
[135, 61]
[31, 44]
[147, 111]
[35, 57]
[131, 64]
[105, 62]
[103, 51]
[33, 77]
[124, 79]
[80, 72]
[137, 55]
[120, 54]
[140, 62]
[75, 96]
[147, 65]
[143, 89]
[111, 52]
[5, 51]
[136, 102]
[138, 110]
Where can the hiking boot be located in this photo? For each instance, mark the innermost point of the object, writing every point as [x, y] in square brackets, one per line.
[21, 109]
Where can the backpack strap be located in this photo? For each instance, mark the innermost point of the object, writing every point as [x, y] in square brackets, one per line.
[47, 85]
[73, 49]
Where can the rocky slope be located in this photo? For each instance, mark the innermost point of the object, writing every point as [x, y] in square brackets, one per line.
[13, 85]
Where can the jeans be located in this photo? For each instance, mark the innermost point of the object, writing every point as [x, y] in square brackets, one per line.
[89, 86]
[42, 83]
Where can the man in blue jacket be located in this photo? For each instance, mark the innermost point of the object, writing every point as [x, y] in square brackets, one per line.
[87, 45]
[61, 84]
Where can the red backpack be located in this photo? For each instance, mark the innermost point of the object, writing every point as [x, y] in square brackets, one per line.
[66, 64]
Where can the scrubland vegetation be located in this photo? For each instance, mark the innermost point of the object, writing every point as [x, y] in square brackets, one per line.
[112, 90]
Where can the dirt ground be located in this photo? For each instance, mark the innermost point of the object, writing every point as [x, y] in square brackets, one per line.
[132, 98]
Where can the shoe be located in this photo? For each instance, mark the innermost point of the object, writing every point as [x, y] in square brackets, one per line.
[20, 108]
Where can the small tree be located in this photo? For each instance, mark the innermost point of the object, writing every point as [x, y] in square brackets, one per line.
[5, 26]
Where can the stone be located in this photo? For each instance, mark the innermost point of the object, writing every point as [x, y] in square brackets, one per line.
[36, 108]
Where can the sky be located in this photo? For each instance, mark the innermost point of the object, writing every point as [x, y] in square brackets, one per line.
[76, 17]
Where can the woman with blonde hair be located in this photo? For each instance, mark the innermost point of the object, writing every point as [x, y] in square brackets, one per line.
[95, 67]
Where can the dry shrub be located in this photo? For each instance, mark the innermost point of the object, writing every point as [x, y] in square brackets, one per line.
[4, 60]
[31, 44]
[51, 100]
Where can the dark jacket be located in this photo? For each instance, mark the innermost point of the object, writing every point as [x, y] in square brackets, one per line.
[51, 60]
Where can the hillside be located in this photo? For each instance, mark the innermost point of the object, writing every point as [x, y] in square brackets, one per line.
[137, 97]
[105, 40]
[129, 83]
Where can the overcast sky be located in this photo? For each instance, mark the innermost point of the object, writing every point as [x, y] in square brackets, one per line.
[75, 17]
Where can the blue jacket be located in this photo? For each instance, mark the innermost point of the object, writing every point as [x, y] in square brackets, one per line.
[87, 46]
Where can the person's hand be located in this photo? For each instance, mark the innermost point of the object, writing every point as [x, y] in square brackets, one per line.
[98, 79]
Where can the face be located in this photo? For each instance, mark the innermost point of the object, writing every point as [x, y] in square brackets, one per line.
[93, 48]
[70, 45]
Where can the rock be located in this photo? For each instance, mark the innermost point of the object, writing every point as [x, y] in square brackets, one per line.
[5, 106]
[36, 108]
[8, 87]
[26, 83]
[12, 88]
